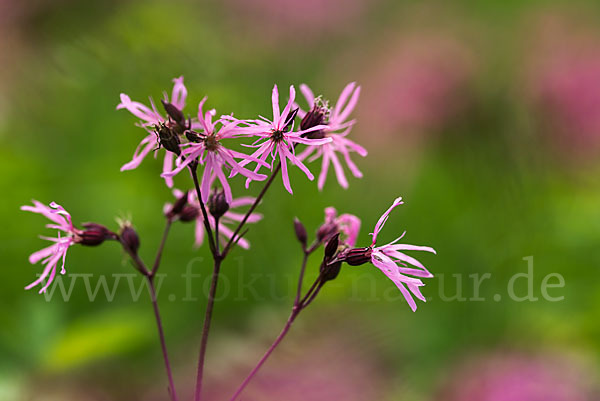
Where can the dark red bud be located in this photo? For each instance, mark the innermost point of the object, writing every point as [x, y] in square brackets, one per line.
[300, 231]
[217, 204]
[189, 213]
[177, 206]
[330, 271]
[129, 238]
[357, 256]
[332, 246]
[94, 234]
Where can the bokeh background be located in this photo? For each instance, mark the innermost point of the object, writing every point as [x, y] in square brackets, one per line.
[484, 115]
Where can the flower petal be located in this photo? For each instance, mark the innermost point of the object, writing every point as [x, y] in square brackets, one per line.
[179, 93]
[383, 219]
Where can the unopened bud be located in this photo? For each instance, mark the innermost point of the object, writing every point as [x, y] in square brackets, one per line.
[357, 256]
[94, 234]
[178, 206]
[189, 213]
[329, 271]
[175, 114]
[168, 138]
[332, 246]
[300, 231]
[129, 238]
[217, 204]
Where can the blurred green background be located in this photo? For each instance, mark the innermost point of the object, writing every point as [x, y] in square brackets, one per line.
[483, 115]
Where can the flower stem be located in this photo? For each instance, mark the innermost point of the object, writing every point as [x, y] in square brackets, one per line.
[264, 358]
[218, 257]
[312, 295]
[206, 327]
[141, 267]
[249, 212]
[301, 278]
[211, 238]
[161, 336]
[299, 305]
[161, 247]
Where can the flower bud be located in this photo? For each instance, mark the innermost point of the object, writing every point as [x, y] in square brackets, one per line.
[175, 114]
[332, 246]
[357, 256]
[178, 206]
[217, 205]
[129, 238]
[329, 271]
[189, 213]
[300, 231]
[168, 138]
[94, 234]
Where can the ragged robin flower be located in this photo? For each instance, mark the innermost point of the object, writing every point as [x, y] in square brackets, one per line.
[392, 262]
[156, 125]
[213, 155]
[93, 234]
[338, 128]
[278, 139]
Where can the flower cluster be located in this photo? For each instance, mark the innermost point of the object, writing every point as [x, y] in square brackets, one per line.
[209, 147]
[205, 139]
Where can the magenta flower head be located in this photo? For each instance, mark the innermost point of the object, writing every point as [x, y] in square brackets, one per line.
[51, 255]
[392, 262]
[150, 118]
[279, 139]
[213, 155]
[228, 218]
[94, 234]
[338, 127]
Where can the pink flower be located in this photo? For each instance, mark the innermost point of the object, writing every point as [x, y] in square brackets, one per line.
[230, 217]
[346, 224]
[151, 117]
[280, 140]
[393, 263]
[51, 255]
[338, 129]
[214, 156]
